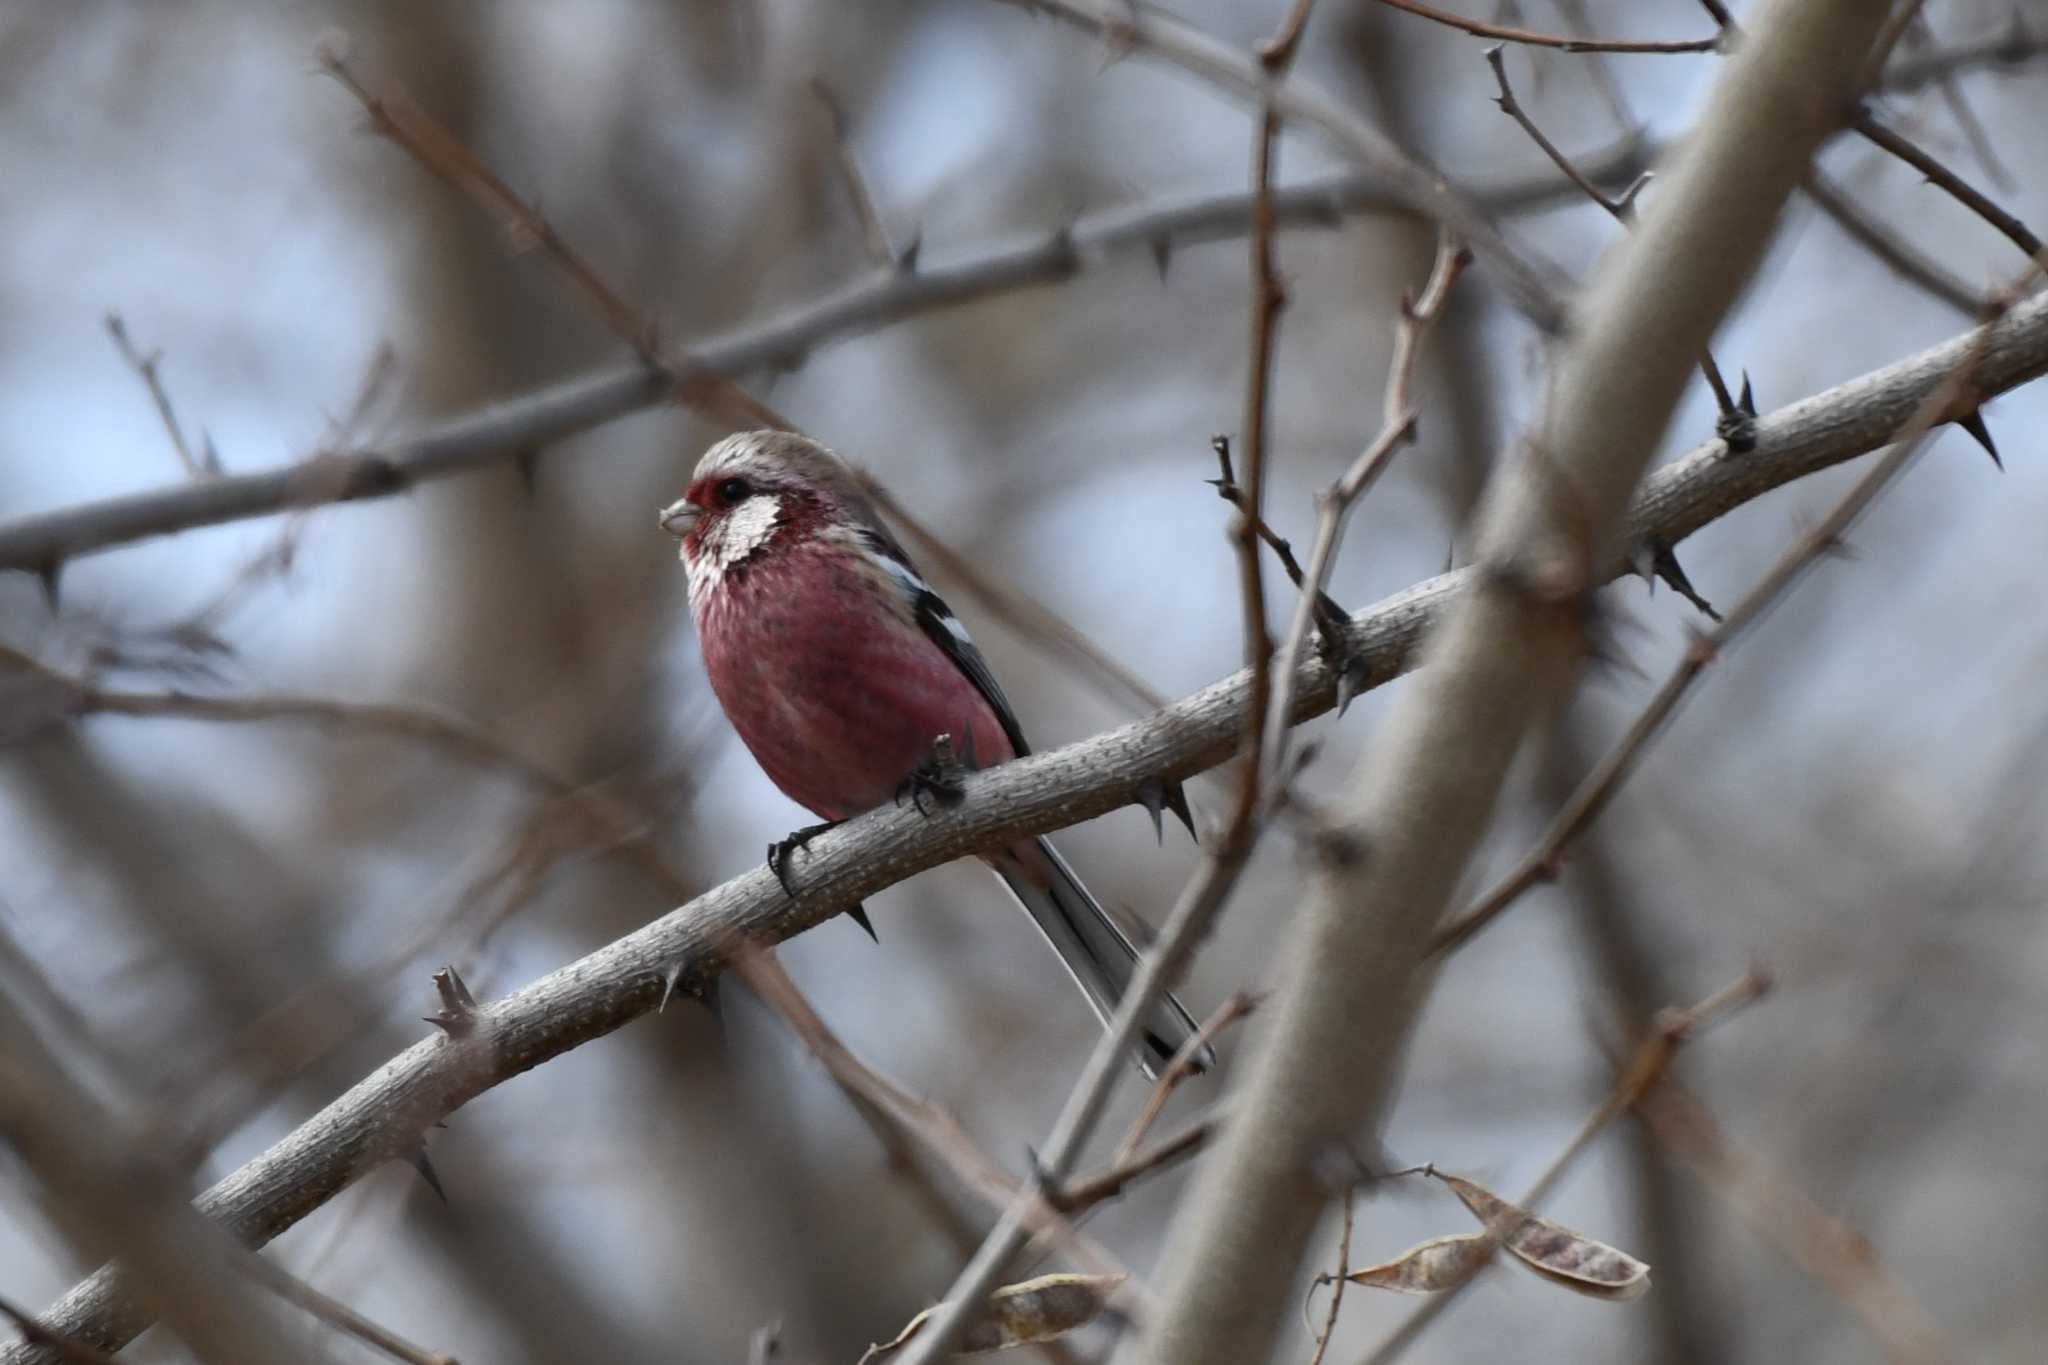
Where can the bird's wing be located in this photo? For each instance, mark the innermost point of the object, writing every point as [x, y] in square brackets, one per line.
[943, 628]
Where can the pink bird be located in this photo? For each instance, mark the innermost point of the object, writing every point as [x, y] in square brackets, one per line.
[841, 669]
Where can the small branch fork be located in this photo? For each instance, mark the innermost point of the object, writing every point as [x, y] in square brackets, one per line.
[1400, 412]
[203, 464]
[874, 232]
[1737, 421]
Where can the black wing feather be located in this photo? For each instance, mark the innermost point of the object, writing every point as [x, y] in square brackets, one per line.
[943, 629]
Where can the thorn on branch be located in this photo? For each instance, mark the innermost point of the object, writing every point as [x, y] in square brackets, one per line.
[703, 989]
[418, 1157]
[1330, 617]
[1654, 559]
[1157, 795]
[1973, 423]
[858, 913]
[50, 573]
[528, 464]
[457, 1017]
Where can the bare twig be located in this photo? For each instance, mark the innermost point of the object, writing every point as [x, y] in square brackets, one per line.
[339, 1315]
[1573, 12]
[1328, 613]
[1939, 173]
[113, 1195]
[1831, 1251]
[1229, 1012]
[393, 114]
[2016, 46]
[199, 466]
[1338, 1280]
[1562, 42]
[1150, 32]
[1881, 241]
[1086, 1191]
[1645, 1070]
[1888, 38]
[937, 1131]
[591, 997]
[874, 232]
[1400, 409]
[1734, 420]
[1920, 38]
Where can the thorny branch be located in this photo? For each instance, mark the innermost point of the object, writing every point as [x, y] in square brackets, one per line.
[599, 993]
[1228, 851]
[1400, 411]
[1945, 177]
[43, 543]
[1226, 486]
[1543, 862]
[1353, 977]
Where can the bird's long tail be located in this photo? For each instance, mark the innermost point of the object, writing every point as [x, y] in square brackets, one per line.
[1098, 954]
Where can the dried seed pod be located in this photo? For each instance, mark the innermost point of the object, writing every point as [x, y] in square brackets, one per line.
[1022, 1314]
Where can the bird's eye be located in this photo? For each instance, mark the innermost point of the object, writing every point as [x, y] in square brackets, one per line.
[733, 492]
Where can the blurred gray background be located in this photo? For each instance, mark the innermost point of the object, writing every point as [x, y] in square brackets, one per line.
[1854, 796]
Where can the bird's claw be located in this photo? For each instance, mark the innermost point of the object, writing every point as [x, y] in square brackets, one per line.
[779, 851]
[937, 775]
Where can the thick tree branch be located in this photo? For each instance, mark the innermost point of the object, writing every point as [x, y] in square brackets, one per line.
[43, 543]
[1353, 973]
[609, 988]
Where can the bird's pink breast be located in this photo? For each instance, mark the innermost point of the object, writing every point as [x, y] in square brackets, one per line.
[833, 689]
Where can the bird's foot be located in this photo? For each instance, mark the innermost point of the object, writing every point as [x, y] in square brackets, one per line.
[779, 851]
[937, 776]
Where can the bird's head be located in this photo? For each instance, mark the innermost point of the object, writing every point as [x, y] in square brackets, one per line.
[758, 491]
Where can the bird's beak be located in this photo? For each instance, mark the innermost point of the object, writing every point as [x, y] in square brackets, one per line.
[679, 517]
